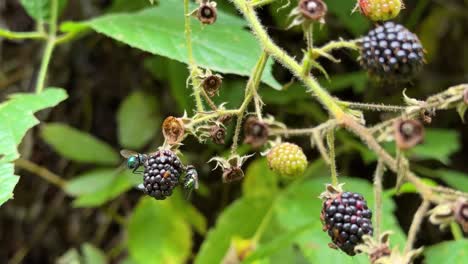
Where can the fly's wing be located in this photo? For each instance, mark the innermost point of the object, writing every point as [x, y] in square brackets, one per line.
[127, 153]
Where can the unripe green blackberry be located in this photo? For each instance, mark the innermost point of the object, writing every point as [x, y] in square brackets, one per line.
[287, 159]
[162, 172]
[346, 218]
[380, 10]
[391, 51]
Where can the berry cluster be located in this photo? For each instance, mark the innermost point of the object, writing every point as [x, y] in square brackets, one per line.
[347, 218]
[161, 175]
[391, 51]
[287, 159]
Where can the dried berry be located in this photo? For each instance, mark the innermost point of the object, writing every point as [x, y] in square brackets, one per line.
[211, 84]
[408, 133]
[207, 12]
[313, 9]
[173, 130]
[232, 174]
[217, 134]
[461, 213]
[256, 132]
[465, 96]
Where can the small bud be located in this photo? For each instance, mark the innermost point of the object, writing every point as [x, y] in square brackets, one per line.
[207, 12]
[461, 213]
[173, 130]
[217, 134]
[408, 133]
[465, 96]
[211, 84]
[313, 9]
[256, 132]
[225, 119]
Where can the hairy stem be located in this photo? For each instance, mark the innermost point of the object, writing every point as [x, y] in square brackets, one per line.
[4, 33]
[416, 224]
[193, 69]
[331, 154]
[378, 178]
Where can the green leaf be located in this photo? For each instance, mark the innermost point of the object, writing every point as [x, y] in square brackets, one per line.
[77, 145]
[438, 144]
[259, 180]
[40, 9]
[355, 80]
[99, 186]
[157, 233]
[408, 187]
[240, 219]
[93, 255]
[17, 117]
[223, 47]
[189, 212]
[453, 252]
[8, 181]
[455, 179]
[138, 118]
[356, 23]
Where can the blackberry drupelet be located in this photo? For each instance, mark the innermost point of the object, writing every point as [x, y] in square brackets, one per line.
[347, 218]
[162, 172]
[391, 51]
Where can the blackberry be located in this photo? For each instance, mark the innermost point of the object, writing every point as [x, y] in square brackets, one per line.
[161, 175]
[391, 51]
[347, 218]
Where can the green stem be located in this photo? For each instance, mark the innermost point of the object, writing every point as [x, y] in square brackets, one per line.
[331, 153]
[456, 231]
[250, 91]
[21, 35]
[260, 3]
[41, 78]
[373, 107]
[281, 56]
[193, 69]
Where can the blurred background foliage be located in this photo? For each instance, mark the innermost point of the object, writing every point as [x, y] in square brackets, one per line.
[123, 82]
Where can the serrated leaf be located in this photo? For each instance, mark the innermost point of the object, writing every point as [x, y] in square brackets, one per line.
[259, 180]
[453, 252]
[223, 47]
[93, 255]
[109, 183]
[138, 118]
[157, 233]
[240, 219]
[17, 116]
[77, 145]
[8, 181]
[40, 9]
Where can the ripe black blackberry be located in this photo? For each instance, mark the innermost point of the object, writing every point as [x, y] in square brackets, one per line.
[161, 175]
[347, 218]
[391, 51]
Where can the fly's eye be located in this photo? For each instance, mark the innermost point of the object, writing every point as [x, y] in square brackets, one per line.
[132, 162]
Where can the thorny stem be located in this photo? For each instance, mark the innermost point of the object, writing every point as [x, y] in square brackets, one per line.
[42, 172]
[193, 69]
[378, 178]
[259, 3]
[416, 224]
[331, 153]
[303, 131]
[208, 100]
[49, 48]
[250, 92]
[373, 107]
[4, 33]
[272, 49]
